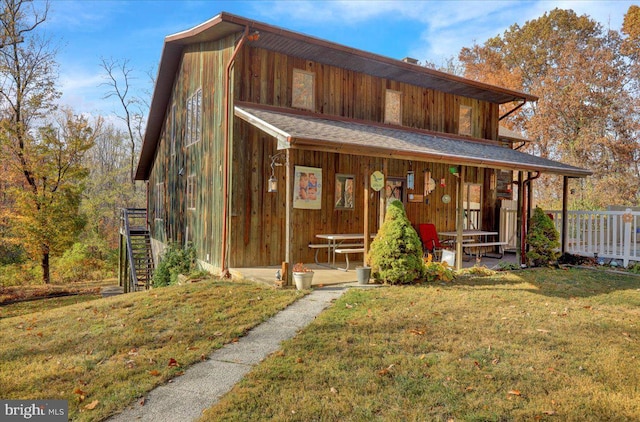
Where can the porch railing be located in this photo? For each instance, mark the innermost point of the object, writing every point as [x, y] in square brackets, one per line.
[605, 234]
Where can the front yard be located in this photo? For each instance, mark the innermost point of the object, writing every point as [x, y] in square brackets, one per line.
[532, 345]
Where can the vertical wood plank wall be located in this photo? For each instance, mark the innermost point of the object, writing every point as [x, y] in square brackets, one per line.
[257, 230]
[202, 66]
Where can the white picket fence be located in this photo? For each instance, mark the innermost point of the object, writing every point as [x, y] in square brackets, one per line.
[605, 234]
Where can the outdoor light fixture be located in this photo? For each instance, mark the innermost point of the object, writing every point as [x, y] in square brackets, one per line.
[276, 160]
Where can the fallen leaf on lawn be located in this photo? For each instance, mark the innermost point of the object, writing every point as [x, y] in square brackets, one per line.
[192, 348]
[495, 361]
[92, 405]
[154, 372]
[235, 340]
[133, 352]
[334, 391]
[348, 306]
[540, 330]
[173, 362]
[198, 321]
[299, 360]
[549, 412]
[514, 392]
[79, 392]
[39, 334]
[469, 388]
[142, 401]
[203, 357]
[386, 370]
[416, 332]
[217, 333]
[422, 356]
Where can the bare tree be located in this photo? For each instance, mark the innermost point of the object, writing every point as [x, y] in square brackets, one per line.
[119, 79]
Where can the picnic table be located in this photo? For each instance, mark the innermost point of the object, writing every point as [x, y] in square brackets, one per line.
[339, 243]
[477, 240]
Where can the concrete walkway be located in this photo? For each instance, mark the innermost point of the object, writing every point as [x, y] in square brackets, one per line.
[203, 384]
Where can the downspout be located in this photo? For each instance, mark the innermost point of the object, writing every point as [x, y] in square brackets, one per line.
[526, 205]
[224, 271]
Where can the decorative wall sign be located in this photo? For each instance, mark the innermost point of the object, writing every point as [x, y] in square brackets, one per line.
[446, 199]
[307, 188]
[377, 181]
[395, 189]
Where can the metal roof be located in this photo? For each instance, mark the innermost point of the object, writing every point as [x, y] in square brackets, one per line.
[306, 47]
[320, 132]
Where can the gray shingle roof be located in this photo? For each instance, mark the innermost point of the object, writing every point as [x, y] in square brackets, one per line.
[303, 130]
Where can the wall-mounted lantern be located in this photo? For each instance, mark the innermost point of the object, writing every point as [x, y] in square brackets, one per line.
[276, 160]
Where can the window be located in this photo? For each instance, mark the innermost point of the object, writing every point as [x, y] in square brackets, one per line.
[192, 132]
[159, 201]
[191, 192]
[393, 107]
[303, 89]
[173, 129]
[464, 124]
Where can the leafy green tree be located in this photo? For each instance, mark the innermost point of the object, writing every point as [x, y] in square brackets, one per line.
[396, 251]
[46, 215]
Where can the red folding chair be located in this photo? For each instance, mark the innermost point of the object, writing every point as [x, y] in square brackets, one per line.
[430, 241]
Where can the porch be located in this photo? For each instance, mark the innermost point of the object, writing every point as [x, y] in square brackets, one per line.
[325, 276]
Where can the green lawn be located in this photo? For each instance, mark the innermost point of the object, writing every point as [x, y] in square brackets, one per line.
[103, 354]
[540, 344]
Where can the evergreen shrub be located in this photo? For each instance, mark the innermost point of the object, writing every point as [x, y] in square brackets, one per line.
[543, 240]
[396, 252]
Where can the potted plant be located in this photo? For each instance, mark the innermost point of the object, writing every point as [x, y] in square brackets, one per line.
[302, 276]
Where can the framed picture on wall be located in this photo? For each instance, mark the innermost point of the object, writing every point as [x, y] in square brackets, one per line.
[395, 189]
[345, 191]
[307, 188]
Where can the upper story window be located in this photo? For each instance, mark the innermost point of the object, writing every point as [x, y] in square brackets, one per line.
[302, 92]
[393, 107]
[464, 121]
[191, 192]
[159, 201]
[173, 129]
[193, 123]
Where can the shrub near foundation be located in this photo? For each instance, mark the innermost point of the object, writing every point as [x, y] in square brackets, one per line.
[396, 252]
[543, 240]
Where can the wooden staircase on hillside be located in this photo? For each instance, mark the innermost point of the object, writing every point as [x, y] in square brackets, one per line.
[136, 258]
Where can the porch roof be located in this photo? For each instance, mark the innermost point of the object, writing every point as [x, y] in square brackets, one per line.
[347, 136]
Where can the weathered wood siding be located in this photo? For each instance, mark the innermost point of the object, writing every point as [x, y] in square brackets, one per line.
[265, 78]
[258, 217]
[202, 66]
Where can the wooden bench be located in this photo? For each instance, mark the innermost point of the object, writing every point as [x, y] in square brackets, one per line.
[346, 252]
[319, 246]
[479, 245]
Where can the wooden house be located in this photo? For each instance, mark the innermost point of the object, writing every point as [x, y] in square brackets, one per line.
[260, 138]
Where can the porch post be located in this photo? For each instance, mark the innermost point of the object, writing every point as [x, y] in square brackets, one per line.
[565, 213]
[519, 217]
[288, 232]
[366, 214]
[460, 217]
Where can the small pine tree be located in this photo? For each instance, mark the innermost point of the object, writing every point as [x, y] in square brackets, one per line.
[543, 240]
[396, 252]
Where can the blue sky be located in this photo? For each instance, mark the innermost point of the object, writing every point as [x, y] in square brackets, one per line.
[88, 30]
